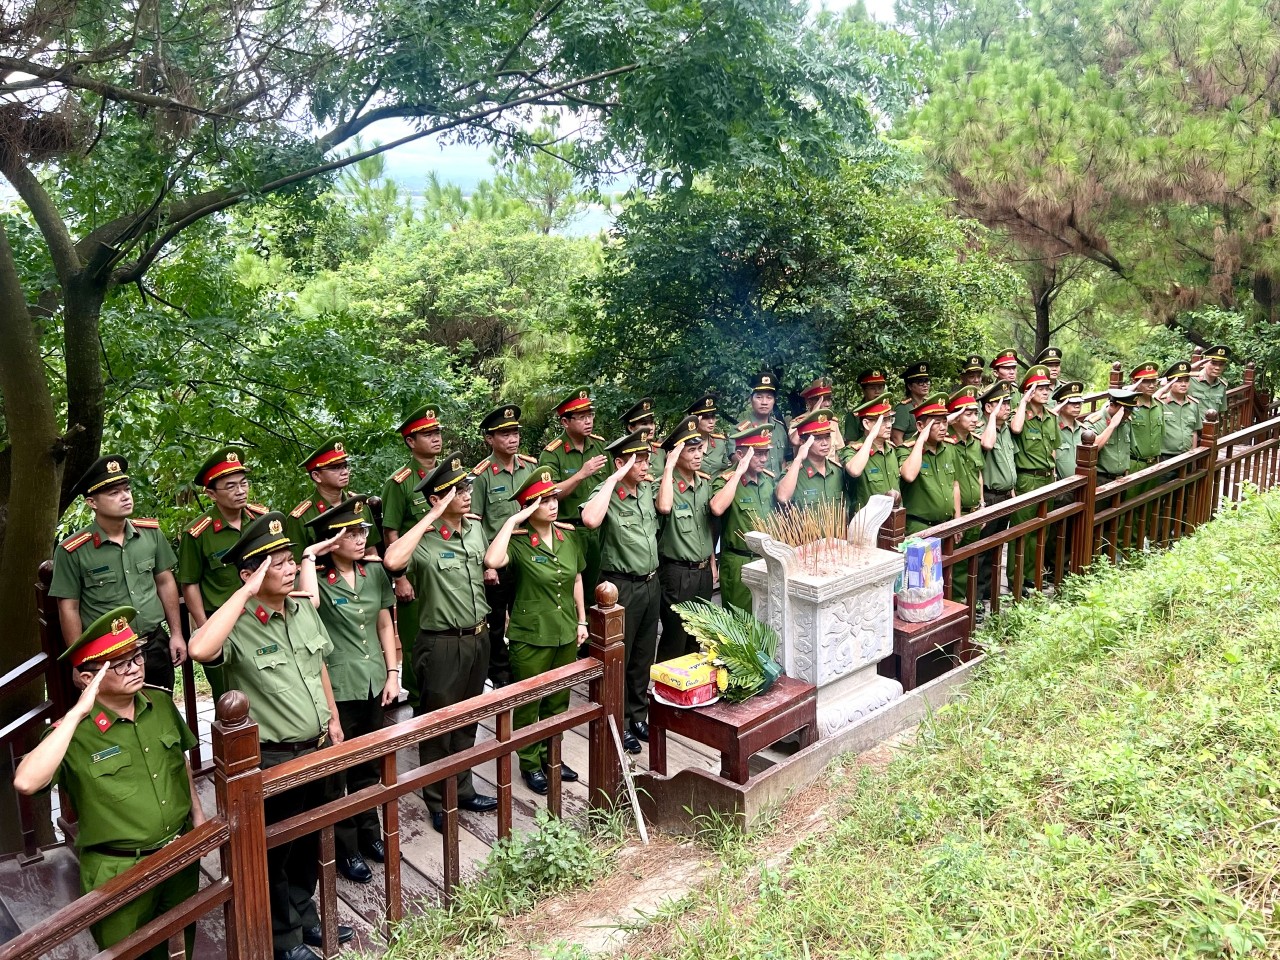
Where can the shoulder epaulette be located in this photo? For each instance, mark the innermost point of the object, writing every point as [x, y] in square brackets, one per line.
[258, 508]
[526, 458]
[520, 532]
[769, 472]
[835, 460]
[147, 523]
[401, 475]
[744, 424]
[299, 594]
[562, 526]
[1193, 399]
[481, 467]
[199, 526]
[300, 509]
[718, 436]
[596, 436]
[73, 543]
[704, 476]
[555, 444]
[951, 440]
[473, 516]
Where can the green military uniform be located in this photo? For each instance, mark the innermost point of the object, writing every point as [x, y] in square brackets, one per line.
[402, 507]
[629, 559]
[752, 501]
[880, 476]
[1036, 450]
[851, 428]
[929, 499]
[1006, 358]
[1069, 435]
[999, 477]
[816, 483]
[1181, 418]
[1113, 457]
[904, 420]
[564, 462]
[1146, 434]
[1213, 396]
[299, 525]
[686, 543]
[765, 382]
[969, 461]
[201, 549]
[717, 450]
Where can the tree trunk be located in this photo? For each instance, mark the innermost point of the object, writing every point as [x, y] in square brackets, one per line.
[33, 496]
[85, 389]
[1042, 279]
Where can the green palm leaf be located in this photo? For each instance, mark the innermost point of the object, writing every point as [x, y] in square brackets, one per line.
[737, 641]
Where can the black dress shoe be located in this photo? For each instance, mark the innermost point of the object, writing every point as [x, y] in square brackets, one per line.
[311, 935]
[437, 821]
[355, 869]
[479, 803]
[375, 851]
[567, 773]
[536, 781]
[630, 743]
[300, 952]
[499, 682]
[641, 729]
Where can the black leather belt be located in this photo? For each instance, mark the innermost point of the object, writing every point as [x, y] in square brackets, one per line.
[631, 577]
[132, 851]
[300, 746]
[1145, 463]
[1037, 473]
[687, 564]
[463, 632]
[1109, 476]
[994, 495]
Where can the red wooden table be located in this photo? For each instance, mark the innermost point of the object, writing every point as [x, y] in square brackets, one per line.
[911, 641]
[737, 730]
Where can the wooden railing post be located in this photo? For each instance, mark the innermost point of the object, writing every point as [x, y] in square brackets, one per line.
[237, 779]
[1205, 505]
[1248, 415]
[604, 626]
[893, 531]
[1115, 380]
[1087, 467]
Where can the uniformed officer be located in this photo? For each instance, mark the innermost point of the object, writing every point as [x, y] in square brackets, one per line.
[641, 417]
[576, 458]
[762, 412]
[444, 555]
[1146, 423]
[624, 509]
[1069, 396]
[971, 372]
[872, 384]
[329, 467]
[685, 539]
[120, 560]
[930, 483]
[916, 382]
[1208, 386]
[125, 770]
[403, 505]
[271, 644]
[999, 475]
[1035, 437]
[1005, 364]
[962, 416]
[496, 479]
[549, 617]
[1051, 359]
[815, 476]
[740, 498]
[817, 396]
[1183, 413]
[1111, 426]
[716, 448]
[355, 601]
[872, 464]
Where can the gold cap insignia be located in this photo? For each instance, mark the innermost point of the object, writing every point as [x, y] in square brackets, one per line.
[582, 395]
[113, 466]
[545, 476]
[275, 527]
[644, 405]
[766, 380]
[119, 625]
[358, 507]
[509, 413]
[428, 415]
[337, 448]
[455, 464]
[924, 368]
[823, 418]
[233, 458]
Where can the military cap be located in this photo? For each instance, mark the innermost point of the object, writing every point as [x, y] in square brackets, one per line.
[1036, 375]
[578, 401]
[1179, 368]
[934, 405]
[107, 636]
[764, 380]
[636, 442]
[961, 400]
[997, 391]
[351, 512]
[540, 483]
[1123, 398]
[331, 453]
[105, 472]
[424, 418]
[757, 436]
[703, 405]
[1049, 355]
[1219, 353]
[506, 417]
[819, 388]
[815, 423]
[450, 472]
[917, 371]
[1145, 371]
[973, 364]
[265, 535]
[225, 462]
[641, 410]
[868, 377]
[686, 432]
[1071, 391]
[1008, 357]
[872, 409]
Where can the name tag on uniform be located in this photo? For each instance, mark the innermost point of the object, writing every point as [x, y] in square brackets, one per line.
[541, 559]
[339, 601]
[105, 754]
[263, 651]
[220, 554]
[501, 489]
[102, 569]
[447, 554]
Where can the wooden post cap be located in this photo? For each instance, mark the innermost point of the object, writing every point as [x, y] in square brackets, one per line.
[606, 594]
[1211, 416]
[1087, 437]
[233, 709]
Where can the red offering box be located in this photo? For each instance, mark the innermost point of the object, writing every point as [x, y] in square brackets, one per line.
[687, 698]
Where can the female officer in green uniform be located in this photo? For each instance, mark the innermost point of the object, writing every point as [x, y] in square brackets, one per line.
[126, 772]
[354, 601]
[740, 498]
[873, 463]
[549, 615]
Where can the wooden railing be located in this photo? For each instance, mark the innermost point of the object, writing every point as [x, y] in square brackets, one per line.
[238, 831]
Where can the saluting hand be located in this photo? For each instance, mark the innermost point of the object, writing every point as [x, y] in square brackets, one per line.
[436, 512]
[84, 706]
[805, 448]
[254, 583]
[623, 470]
[520, 516]
[328, 546]
[670, 465]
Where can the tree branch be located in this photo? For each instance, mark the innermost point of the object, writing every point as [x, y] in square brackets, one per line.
[53, 228]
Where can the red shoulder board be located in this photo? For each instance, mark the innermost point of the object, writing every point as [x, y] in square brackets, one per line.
[401, 475]
[480, 467]
[300, 509]
[147, 523]
[255, 508]
[200, 526]
[72, 544]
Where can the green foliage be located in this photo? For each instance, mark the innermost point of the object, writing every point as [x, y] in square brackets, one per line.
[737, 641]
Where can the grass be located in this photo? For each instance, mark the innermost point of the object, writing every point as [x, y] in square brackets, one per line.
[1107, 787]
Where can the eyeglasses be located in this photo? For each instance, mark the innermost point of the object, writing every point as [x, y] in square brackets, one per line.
[118, 667]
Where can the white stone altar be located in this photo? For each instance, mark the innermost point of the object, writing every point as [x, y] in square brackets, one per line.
[835, 622]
